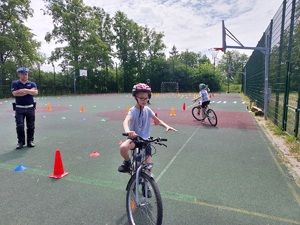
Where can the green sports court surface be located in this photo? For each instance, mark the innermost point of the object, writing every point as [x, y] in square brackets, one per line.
[224, 175]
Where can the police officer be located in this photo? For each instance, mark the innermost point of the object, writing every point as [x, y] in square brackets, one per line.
[23, 90]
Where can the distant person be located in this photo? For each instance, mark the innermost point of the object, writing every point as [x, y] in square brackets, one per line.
[149, 84]
[23, 90]
[205, 100]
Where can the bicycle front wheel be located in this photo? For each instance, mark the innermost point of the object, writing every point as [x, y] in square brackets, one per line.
[146, 207]
[196, 111]
[212, 117]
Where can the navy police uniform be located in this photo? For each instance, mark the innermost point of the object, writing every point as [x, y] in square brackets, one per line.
[24, 107]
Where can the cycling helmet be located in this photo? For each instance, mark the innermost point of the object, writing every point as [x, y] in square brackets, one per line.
[202, 86]
[23, 70]
[140, 87]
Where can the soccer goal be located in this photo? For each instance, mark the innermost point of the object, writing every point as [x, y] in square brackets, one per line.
[169, 87]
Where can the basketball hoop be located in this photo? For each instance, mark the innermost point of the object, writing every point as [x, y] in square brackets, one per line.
[214, 52]
[219, 49]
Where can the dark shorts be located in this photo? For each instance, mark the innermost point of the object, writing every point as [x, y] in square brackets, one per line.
[139, 145]
[204, 104]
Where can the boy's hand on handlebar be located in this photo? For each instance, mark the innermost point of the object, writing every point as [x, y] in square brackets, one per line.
[132, 134]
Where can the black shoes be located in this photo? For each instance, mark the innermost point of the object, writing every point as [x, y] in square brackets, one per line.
[125, 167]
[30, 144]
[19, 145]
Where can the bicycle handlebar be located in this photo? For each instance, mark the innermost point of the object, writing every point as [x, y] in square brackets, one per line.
[151, 139]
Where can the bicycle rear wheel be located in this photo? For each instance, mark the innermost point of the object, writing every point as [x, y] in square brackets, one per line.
[212, 117]
[149, 208]
[196, 111]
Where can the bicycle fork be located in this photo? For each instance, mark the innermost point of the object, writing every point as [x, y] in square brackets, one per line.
[137, 179]
[144, 185]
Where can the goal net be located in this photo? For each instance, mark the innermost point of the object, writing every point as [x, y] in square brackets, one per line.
[169, 87]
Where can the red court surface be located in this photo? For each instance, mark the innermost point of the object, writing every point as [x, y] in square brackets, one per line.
[239, 120]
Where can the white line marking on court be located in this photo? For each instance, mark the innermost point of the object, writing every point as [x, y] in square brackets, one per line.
[175, 156]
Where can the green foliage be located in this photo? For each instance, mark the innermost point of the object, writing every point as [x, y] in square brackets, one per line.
[17, 48]
[275, 129]
[232, 64]
[116, 52]
[235, 88]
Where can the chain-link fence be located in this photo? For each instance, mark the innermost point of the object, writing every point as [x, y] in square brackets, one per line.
[283, 77]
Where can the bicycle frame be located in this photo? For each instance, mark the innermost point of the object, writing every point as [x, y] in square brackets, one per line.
[143, 198]
[138, 171]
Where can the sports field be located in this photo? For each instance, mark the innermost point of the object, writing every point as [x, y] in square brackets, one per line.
[229, 174]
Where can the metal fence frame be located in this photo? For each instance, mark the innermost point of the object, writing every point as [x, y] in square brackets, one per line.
[280, 99]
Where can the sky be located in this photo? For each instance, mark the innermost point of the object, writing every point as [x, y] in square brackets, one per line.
[193, 25]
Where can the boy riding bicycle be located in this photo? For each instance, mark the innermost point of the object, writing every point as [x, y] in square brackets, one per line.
[203, 94]
[137, 123]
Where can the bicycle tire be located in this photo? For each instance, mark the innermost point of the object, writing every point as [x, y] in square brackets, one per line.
[212, 117]
[150, 210]
[196, 113]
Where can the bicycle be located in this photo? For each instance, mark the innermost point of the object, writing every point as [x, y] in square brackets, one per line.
[143, 199]
[208, 113]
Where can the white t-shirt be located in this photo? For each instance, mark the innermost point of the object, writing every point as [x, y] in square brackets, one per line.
[204, 94]
[140, 121]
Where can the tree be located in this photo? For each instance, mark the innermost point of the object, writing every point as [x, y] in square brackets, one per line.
[122, 27]
[174, 54]
[155, 48]
[98, 47]
[18, 48]
[83, 30]
[70, 20]
[232, 64]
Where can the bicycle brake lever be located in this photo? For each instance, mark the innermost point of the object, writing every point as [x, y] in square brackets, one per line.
[161, 144]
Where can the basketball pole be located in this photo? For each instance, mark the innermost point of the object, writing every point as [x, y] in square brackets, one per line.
[265, 50]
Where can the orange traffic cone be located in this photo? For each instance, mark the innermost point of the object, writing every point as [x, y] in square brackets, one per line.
[58, 171]
[82, 109]
[154, 123]
[49, 107]
[172, 112]
[183, 106]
